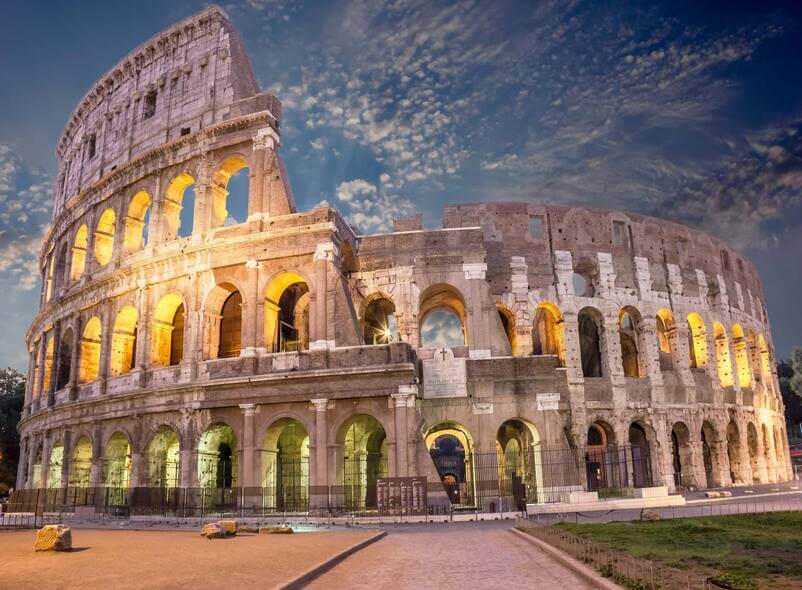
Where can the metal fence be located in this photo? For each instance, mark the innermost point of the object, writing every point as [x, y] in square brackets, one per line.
[729, 507]
[624, 569]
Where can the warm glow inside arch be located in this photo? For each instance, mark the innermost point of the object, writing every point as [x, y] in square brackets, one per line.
[90, 351]
[723, 362]
[123, 341]
[135, 222]
[741, 349]
[173, 204]
[79, 253]
[697, 341]
[220, 193]
[104, 237]
[167, 343]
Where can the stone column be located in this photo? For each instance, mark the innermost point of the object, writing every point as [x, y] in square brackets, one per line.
[247, 474]
[107, 329]
[22, 464]
[647, 345]
[47, 446]
[40, 377]
[250, 326]
[54, 364]
[611, 361]
[681, 354]
[322, 331]
[401, 401]
[96, 471]
[320, 477]
[33, 448]
[66, 460]
[143, 336]
[478, 330]
[573, 360]
[75, 359]
[89, 261]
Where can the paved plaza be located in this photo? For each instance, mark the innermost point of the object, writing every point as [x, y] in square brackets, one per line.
[474, 556]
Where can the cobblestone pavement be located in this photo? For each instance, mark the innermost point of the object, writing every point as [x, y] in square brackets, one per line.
[472, 556]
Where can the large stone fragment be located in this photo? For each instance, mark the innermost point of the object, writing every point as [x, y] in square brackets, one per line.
[275, 530]
[229, 526]
[213, 530]
[53, 537]
[649, 516]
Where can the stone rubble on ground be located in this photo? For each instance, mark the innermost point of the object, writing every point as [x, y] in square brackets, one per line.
[53, 537]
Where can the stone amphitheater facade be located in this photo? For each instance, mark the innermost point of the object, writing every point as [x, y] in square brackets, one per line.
[233, 354]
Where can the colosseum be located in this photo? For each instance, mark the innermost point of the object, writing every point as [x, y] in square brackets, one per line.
[283, 361]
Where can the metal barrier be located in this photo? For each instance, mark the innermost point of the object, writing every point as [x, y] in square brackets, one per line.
[624, 569]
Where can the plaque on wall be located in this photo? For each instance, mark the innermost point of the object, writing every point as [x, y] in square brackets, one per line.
[444, 375]
[548, 401]
[402, 495]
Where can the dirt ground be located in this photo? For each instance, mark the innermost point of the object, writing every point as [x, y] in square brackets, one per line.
[166, 559]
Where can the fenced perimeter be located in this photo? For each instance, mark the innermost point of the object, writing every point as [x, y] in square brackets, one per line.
[629, 571]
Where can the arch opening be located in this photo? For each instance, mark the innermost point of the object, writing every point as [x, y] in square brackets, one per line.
[117, 468]
[741, 350]
[287, 302]
[442, 317]
[103, 246]
[723, 362]
[179, 207]
[163, 458]
[65, 358]
[379, 325]
[628, 331]
[90, 351]
[548, 337]
[364, 460]
[230, 192]
[508, 325]
[80, 244]
[123, 341]
[217, 460]
[734, 453]
[136, 223]
[709, 438]
[697, 341]
[520, 462]
[81, 465]
[55, 465]
[590, 324]
[285, 466]
[451, 449]
[167, 343]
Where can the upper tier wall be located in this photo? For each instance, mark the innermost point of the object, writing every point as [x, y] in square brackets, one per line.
[188, 77]
[668, 247]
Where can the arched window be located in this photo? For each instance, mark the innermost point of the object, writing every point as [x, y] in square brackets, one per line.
[508, 324]
[90, 351]
[48, 368]
[765, 359]
[230, 192]
[697, 341]
[590, 323]
[741, 356]
[167, 344]
[628, 327]
[217, 458]
[548, 335]
[179, 207]
[61, 270]
[723, 362]
[286, 325]
[378, 320]
[79, 253]
[665, 331]
[136, 222]
[104, 237]
[51, 271]
[123, 341]
[442, 317]
[65, 358]
[231, 326]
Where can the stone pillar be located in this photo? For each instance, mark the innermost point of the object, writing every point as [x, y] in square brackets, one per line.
[647, 347]
[478, 329]
[47, 446]
[54, 364]
[22, 464]
[107, 323]
[75, 359]
[247, 474]
[250, 327]
[96, 471]
[321, 332]
[693, 466]
[144, 334]
[721, 462]
[401, 401]
[89, 261]
[320, 477]
[678, 337]
[40, 377]
[32, 450]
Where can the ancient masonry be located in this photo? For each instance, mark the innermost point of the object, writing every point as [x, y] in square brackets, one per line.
[539, 348]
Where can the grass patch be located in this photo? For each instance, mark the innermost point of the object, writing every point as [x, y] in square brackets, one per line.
[765, 549]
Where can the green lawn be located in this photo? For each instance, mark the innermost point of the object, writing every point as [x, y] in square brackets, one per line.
[764, 548]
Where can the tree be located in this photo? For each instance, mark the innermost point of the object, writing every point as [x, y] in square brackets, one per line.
[12, 397]
[790, 377]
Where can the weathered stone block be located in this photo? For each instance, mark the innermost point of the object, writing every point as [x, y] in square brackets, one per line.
[213, 530]
[229, 526]
[275, 530]
[53, 537]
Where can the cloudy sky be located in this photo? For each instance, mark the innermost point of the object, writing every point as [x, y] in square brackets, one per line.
[688, 110]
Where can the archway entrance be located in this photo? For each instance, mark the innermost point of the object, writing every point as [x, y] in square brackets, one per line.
[602, 463]
[117, 468]
[364, 460]
[163, 458]
[708, 439]
[681, 454]
[217, 464]
[520, 463]
[752, 443]
[451, 448]
[734, 452]
[639, 449]
[285, 466]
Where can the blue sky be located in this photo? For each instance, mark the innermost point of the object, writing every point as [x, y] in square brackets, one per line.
[687, 110]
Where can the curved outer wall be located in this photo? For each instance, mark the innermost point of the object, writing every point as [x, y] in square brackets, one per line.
[91, 376]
